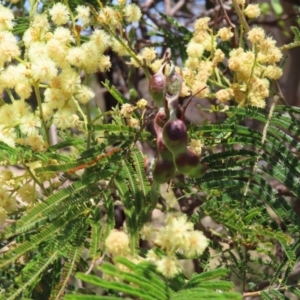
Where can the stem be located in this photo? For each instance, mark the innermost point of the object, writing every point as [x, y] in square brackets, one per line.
[130, 51]
[290, 46]
[251, 75]
[240, 15]
[39, 101]
[11, 97]
[217, 84]
[73, 23]
[225, 14]
[34, 178]
[88, 114]
[241, 36]
[81, 113]
[88, 119]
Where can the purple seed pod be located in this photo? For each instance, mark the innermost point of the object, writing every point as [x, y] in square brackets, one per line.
[159, 121]
[162, 149]
[186, 161]
[189, 164]
[158, 86]
[163, 171]
[175, 136]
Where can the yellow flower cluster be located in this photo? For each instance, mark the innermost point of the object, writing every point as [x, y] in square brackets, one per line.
[127, 112]
[178, 235]
[13, 192]
[251, 70]
[51, 67]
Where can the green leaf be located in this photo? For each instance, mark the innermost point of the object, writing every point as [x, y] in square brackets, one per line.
[296, 33]
[114, 92]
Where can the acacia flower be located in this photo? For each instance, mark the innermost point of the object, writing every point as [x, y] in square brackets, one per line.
[84, 94]
[149, 54]
[196, 146]
[9, 48]
[168, 266]
[104, 63]
[252, 11]
[225, 34]
[29, 124]
[202, 24]
[6, 201]
[142, 103]
[28, 193]
[195, 244]
[256, 35]
[194, 49]
[224, 95]
[132, 13]
[7, 135]
[59, 14]
[127, 110]
[117, 243]
[83, 13]
[6, 18]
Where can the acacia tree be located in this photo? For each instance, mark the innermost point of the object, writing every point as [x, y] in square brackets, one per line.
[92, 180]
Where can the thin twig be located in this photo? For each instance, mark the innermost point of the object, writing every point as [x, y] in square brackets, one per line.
[240, 15]
[226, 15]
[189, 101]
[177, 7]
[167, 7]
[99, 262]
[281, 97]
[290, 46]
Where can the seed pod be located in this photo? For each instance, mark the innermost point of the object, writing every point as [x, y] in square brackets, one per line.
[185, 162]
[160, 120]
[164, 168]
[163, 171]
[174, 84]
[162, 149]
[199, 170]
[158, 86]
[189, 164]
[175, 136]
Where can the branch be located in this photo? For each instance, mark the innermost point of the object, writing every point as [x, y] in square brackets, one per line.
[177, 7]
[226, 15]
[240, 15]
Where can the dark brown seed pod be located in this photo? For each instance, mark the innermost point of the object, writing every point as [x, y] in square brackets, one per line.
[175, 136]
[186, 161]
[163, 171]
[189, 164]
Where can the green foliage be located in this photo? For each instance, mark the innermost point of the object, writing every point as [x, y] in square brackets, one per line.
[176, 35]
[51, 242]
[143, 282]
[239, 193]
